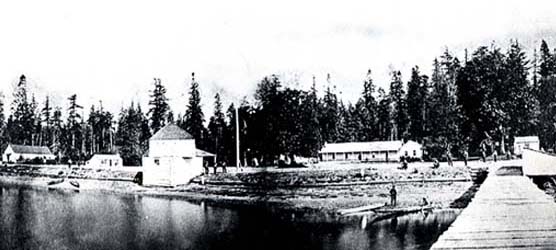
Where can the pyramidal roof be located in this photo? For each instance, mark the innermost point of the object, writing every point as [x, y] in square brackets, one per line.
[171, 132]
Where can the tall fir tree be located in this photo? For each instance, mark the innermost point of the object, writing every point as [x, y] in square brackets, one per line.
[22, 123]
[128, 136]
[311, 138]
[73, 149]
[417, 95]
[269, 105]
[216, 127]
[158, 112]
[517, 95]
[546, 97]
[194, 118]
[384, 119]
[368, 110]
[399, 110]
[46, 114]
[329, 119]
[3, 133]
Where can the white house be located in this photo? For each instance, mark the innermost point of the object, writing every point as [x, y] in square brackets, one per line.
[105, 161]
[411, 149]
[523, 142]
[15, 153]
[379, 151]
[173, 158]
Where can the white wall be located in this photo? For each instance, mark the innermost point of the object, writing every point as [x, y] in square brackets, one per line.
[538, 163]
[411, 147]
[170, 171]
[15, 156]
[98, 161]
[162, 148]
[519, 146]
[379, 156]
[10, 152]
[156, 175]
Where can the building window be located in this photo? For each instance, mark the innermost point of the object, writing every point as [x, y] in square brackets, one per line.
[157, 162]
[414, 152]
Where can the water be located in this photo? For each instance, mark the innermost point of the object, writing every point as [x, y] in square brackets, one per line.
[40, 219]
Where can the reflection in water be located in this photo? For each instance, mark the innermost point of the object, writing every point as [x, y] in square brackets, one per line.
[39, 219]
[414, 231]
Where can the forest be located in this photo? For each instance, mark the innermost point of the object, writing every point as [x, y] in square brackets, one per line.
[491, 93]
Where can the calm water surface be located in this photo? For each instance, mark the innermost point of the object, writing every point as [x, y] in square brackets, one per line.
[39, 219]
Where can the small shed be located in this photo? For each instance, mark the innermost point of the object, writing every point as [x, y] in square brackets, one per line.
[523, 142]
[411, 149]
[15, 153]
[173, 158]
[104, 161]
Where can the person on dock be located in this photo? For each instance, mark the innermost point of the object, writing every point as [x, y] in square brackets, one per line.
[393, 194]
[449, 155]
[483, 150]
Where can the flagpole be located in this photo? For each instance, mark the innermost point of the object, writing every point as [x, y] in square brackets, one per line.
[237, 139]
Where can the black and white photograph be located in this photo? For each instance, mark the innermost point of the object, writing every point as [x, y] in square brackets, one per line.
[293, 124]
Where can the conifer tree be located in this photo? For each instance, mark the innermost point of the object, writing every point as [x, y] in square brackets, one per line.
[22, 123]
[216, 127]
[368, 110]
[311, 139]
[416, 104]
[194, 118]
[329, 119]
[399, 111]
[73, 128]
[159, 109]
[384, 123]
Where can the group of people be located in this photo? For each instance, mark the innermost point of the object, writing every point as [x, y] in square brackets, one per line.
[215, 167]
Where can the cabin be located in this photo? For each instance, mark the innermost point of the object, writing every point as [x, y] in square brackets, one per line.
[20, 153]
[104, 161]
[411, 149]
[173, 158]
[523, 142]
[375, 151]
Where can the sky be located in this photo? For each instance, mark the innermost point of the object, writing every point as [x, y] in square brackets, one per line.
[110, 51]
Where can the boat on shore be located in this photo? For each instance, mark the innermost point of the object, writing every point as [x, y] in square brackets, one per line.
[63, 185]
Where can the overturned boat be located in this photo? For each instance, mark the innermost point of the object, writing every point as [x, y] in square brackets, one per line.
[63, 185]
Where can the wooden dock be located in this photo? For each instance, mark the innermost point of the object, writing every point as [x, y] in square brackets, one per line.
[508, 212]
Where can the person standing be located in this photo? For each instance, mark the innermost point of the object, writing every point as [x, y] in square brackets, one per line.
[483, 151]
[393, 194]
[449, 155]
[465, 156]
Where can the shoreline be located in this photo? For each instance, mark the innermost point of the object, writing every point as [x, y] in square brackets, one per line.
[303, 202]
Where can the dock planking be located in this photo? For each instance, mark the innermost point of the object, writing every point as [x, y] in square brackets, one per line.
[508, 212]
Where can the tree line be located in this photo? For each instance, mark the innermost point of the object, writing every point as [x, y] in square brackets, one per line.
[491, 93]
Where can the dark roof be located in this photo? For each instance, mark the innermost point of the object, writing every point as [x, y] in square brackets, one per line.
[171, 132]
[24, 149]
[202, 153]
